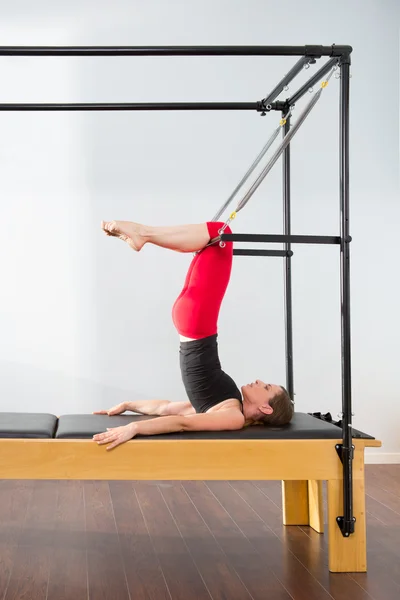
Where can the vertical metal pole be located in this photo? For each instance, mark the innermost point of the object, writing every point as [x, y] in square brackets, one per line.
[347, 450]
[288, 265]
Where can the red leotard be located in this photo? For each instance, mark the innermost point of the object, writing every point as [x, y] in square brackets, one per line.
[195, 312]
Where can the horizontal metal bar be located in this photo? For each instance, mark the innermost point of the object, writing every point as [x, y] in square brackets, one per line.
[255, 252]
[149, 106]
[275, 238]
[312, 81]
[312, 51]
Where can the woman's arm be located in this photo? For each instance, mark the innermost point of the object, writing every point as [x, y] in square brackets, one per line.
[223, 420]
[158, 408]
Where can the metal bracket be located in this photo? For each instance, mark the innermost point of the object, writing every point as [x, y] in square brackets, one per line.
[346, 527]
[339, 450]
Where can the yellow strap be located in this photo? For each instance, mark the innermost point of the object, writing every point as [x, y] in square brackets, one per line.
[282, 122]
[324, 84]
[232, 215]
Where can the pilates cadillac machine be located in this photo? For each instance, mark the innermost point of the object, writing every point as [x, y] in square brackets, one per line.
[302, 454]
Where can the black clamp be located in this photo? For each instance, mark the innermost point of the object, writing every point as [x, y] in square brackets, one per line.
[263, 108]
[313, 52]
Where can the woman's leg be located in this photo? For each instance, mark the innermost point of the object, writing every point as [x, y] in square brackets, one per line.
[181, 238]
[196, 310]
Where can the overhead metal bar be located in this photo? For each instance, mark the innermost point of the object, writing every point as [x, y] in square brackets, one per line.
[146, 106]
[313, 51]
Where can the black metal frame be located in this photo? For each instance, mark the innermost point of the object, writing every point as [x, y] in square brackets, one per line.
[288, 264]
[309, 54]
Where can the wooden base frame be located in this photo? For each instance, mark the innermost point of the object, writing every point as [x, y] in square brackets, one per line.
[302, 465]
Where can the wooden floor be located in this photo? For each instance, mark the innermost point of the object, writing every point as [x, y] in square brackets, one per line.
[72, 540]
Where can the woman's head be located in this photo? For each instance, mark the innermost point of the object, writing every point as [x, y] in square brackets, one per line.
[266, 403]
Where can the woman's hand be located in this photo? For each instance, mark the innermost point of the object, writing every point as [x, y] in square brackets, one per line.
[116, 435]
[115, 410]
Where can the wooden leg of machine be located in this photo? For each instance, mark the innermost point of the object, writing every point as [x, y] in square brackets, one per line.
[316, 505]
[348, 555]
[295, 502]
[302, 504]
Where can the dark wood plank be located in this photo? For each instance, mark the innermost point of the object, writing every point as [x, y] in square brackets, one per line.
[106, 576]
[220, 578]
[386, 477]
[181, 574]
[254, 570]
[386, 498]
[68, 564]
[14, 500]
[382, 512]
[383, 548]
[272, 489]
[30, 575]
[142, 568]
[383, 508]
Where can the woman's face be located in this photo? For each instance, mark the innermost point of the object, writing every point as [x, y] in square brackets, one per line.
[260, 392]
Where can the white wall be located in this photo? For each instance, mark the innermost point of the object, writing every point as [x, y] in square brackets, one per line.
[85, 323]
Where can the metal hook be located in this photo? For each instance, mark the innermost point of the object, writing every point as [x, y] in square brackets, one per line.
[286, 88]
[310, 89]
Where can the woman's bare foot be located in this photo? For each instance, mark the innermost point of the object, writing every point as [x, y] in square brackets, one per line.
[127, 231]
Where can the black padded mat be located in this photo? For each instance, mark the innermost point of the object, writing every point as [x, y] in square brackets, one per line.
[27, 425]
[303, 426]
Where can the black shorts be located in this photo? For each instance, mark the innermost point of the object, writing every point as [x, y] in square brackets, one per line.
[205, 382]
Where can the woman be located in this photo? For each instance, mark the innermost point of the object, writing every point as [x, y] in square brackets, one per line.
[215, 402]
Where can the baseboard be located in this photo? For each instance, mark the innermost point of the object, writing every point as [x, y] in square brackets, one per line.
[382, 458]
